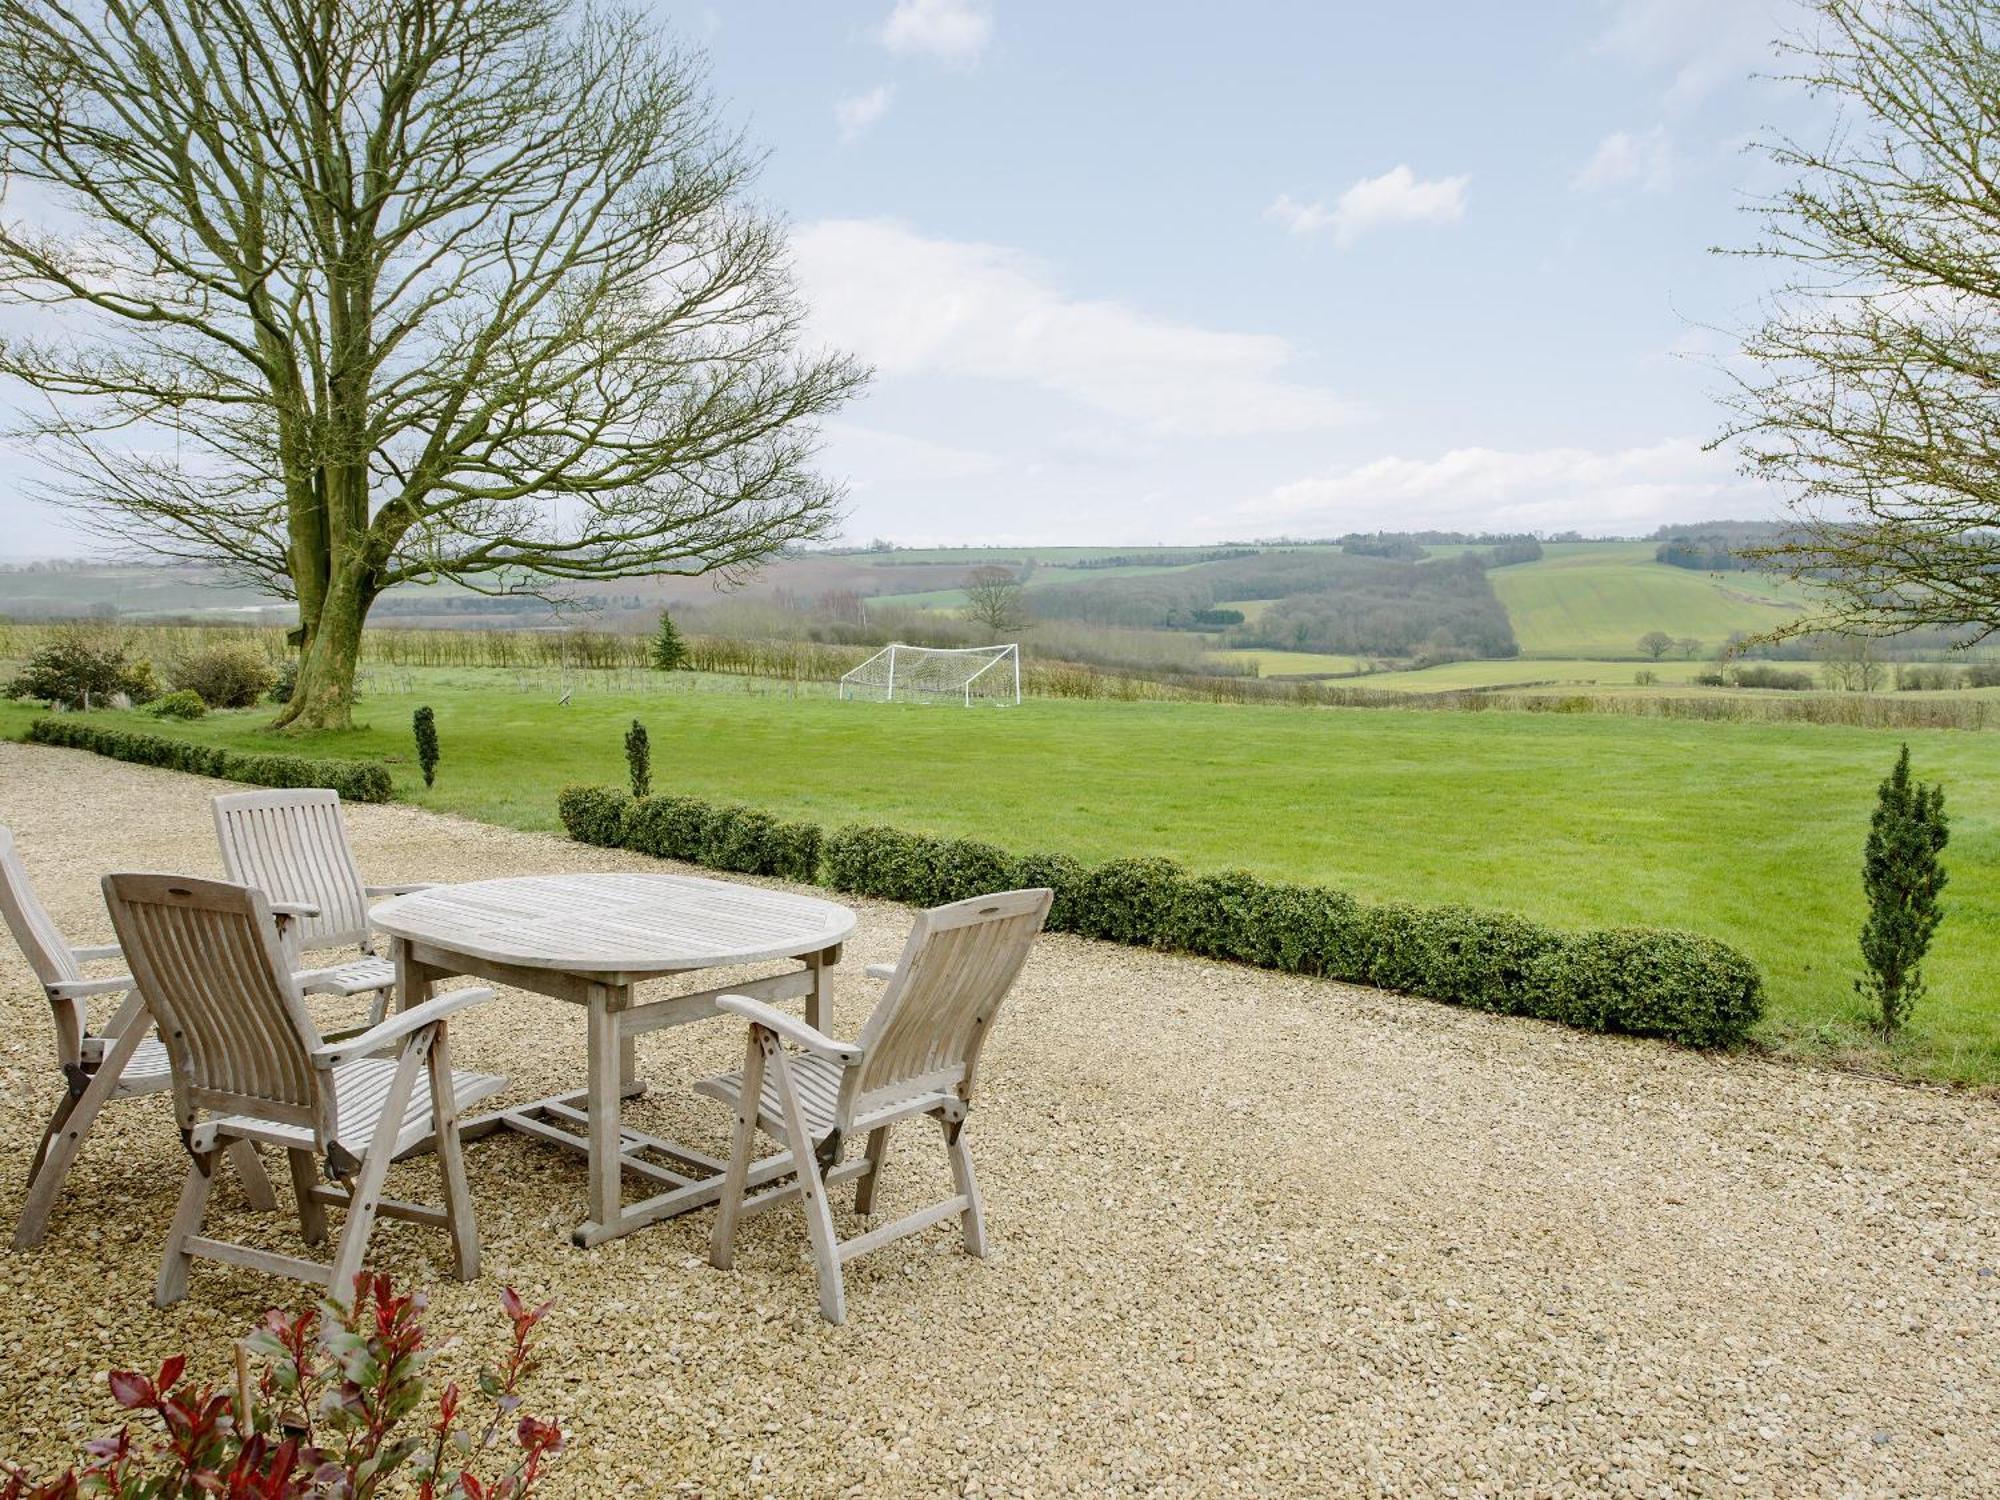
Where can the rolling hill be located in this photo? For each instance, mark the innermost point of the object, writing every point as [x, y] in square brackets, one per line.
[1595, 599]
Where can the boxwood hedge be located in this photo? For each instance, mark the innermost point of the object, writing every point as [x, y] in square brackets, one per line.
[1640, 981]
[355, 780]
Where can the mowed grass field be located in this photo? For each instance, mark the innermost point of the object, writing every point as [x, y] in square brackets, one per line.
[1596, 599]
[1749, 832]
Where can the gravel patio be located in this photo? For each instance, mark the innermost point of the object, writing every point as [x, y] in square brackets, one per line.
[1252, 1234]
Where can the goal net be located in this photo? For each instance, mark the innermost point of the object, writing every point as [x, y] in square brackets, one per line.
[933, 674]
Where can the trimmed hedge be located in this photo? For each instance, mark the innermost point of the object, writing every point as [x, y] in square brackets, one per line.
[1640, 981]
[355, 780]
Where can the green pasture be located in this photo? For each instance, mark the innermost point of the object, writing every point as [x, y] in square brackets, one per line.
[1597, 599]
[1750, 832]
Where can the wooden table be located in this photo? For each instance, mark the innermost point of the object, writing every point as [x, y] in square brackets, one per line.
[592, 940]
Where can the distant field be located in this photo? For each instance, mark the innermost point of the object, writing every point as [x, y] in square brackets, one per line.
[1597, 599]
[1280, 663]
[1751, 832]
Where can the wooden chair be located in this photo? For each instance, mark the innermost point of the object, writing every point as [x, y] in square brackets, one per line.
[248, 1065]
[292, 845]
[915, 1056]
[123, 1062]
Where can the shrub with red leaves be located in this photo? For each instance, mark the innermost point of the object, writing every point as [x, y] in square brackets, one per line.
[325, 1420]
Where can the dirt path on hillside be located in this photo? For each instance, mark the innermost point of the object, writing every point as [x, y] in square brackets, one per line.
[1252, 1234]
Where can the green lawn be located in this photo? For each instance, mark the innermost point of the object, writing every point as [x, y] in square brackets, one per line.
[1751, 832]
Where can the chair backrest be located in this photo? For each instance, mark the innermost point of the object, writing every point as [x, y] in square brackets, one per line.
[206, 955]
[41, 942]
[957, 966]
[292, 846]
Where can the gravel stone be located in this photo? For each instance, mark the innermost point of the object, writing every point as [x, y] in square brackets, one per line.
[1252, 1235]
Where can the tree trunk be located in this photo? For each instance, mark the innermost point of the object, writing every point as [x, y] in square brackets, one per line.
[323, 697]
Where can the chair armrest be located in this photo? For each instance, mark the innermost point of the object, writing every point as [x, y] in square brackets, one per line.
[372, 891]
[101, 950]
[791, 1028]
[403, 1023]
[294, 909]
[83, 989]
[879, 971]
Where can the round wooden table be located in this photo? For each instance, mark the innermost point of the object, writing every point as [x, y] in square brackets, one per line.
[591, 940]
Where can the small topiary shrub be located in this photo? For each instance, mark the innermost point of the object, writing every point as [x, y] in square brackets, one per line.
[964, 868]
[1128, 900]
[226, 676]
[795, 852]
[639, 759]
[593, 814]
[667, 827]
[884, 862]
[1482, 959]
[179, 705]
[1058, 873]
[1307, 929]
[423, 724]
[1650, 982]
[1216, 916]
[739, 839]
[1902, 876]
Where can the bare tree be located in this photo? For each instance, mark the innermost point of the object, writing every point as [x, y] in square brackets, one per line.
[1656, 643]
[993, 598]
[351, 295]
[1688, 647]
[1872, 398]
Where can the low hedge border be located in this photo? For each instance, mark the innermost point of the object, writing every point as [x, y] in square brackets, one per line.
[1640, 981]
[355, 780]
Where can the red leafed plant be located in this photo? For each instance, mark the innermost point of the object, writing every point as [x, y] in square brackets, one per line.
[324, 1419]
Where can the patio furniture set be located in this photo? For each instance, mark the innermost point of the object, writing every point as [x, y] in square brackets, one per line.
[214, 1008]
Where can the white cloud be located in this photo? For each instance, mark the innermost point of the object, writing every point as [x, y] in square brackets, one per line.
[1398, 196]
[1489, 489]
[857, 112]
[1702, 45]
[1626, 158]
[952, 31]
[910, 305]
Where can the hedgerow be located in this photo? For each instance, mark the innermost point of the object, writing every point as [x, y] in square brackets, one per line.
[1639, 981]
[355, 780]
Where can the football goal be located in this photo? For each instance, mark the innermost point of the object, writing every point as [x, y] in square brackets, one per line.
[934, 674]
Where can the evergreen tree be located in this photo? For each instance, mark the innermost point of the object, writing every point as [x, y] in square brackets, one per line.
[1902, 876]
[639, 759]
[425, 725]
[669, 650]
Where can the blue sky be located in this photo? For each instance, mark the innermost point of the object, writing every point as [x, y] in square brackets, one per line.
[1171, 272]
[1181, 272]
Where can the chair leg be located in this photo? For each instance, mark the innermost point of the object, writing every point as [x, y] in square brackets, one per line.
[736, 1182]
[69, 1126]
[458, 1215]
[812, 1196]
[364, 1189]
[378, 1008]
[971, 1223]
[256, 1181]
[173, 1281]
[878, 1153]
[64, 1108]
[312, 1213]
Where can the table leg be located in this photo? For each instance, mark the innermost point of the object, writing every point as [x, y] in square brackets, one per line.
[414, 981]
[606, 1005]
[819, 999]
[630, 1084]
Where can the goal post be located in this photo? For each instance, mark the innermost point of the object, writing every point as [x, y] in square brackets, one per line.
[937, 674]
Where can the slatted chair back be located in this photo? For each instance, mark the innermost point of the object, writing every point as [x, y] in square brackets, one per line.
[957, 966]
[292, 845]
[41, 942]
[207, 956]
